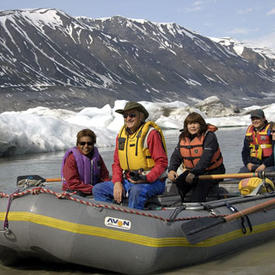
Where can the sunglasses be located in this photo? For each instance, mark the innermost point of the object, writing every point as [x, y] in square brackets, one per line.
[131, 115]
[272, 131]
[82, 143]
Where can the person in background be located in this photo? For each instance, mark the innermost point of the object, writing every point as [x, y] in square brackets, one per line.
[257, 146]
[83, 166]
[140, 159]
[199, 153]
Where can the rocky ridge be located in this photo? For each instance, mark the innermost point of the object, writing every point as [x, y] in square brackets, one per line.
[48, 58]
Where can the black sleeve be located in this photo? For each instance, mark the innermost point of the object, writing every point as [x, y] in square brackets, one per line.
[210, 146]
[246, 152]
[175, 160]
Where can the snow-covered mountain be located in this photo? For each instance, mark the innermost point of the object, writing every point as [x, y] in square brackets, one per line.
[52, 59]
[263, 57]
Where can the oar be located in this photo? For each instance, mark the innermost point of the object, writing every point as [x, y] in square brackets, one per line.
[261, 174]
[36, 178]
[193, 230]
[53, 180]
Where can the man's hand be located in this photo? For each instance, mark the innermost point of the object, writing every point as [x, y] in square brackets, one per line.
[118, 191]
[172, 175]
[260, 168]
[250, 166]
[189, 178]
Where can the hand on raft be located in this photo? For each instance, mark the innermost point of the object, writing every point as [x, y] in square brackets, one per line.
[251, 167]
[118, 192]
[135, 178]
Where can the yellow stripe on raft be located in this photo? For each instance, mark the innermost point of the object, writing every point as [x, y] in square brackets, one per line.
[126, 236]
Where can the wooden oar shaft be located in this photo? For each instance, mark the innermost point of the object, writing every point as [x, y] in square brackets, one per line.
[249, 210]
[53, 180]
[228, 176]
[237, 175]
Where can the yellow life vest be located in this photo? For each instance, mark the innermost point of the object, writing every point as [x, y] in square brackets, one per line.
[133, 150]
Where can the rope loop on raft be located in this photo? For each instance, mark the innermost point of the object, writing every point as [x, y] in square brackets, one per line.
[10, 197]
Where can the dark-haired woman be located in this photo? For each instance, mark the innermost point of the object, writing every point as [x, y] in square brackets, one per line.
[83, 166]
[199, 153]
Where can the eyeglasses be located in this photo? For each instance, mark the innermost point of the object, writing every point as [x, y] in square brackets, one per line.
[272, 131]
[83, 143]
[131, 115]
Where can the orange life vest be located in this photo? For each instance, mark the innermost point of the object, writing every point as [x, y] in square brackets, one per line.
[260, 142]
[192, 150]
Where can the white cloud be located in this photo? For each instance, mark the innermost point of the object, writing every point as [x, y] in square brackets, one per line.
[245, 11]
[200, 5]
[197, 3]
[193, 9]
[271, 12]
[267, 41]
[196, 6]
[242, 31]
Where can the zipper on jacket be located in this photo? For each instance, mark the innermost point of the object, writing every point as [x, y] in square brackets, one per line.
[127, 152]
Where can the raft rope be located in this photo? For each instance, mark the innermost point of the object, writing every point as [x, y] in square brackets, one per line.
[6, 222]
[68, 196]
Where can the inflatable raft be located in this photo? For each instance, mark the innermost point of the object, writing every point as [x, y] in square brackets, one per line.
[48, 223]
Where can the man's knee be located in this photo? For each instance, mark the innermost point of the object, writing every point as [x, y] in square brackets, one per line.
[136, 191]
[102, 190]
[137, 196]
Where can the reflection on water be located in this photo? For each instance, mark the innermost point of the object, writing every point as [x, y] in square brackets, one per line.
[257, 260]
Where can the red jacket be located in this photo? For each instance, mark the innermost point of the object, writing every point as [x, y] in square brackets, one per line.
[72, 179]
[157, 153]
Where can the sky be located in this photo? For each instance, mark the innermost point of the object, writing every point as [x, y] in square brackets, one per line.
[250, 21]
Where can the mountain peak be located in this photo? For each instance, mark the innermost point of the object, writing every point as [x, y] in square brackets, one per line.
[50, 58]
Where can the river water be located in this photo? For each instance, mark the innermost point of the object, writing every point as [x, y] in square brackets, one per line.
[256, 260]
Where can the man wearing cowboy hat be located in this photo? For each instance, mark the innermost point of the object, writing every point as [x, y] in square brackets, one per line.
[140, 159]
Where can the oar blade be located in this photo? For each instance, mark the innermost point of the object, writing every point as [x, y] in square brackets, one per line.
[201, 229]
[21, 179]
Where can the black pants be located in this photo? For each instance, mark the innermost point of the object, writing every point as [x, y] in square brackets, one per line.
[199, 190]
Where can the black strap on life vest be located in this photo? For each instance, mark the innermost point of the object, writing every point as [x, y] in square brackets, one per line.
[213, 162]
[191, 146]
[191, 158]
